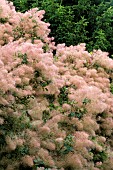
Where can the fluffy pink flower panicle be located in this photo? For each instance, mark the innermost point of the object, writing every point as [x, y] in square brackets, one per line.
[87, 77]
[27, 73]
[24, 26]
[19, 66]
[6, 8]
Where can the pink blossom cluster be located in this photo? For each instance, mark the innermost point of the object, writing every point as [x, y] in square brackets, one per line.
[26, 26]
[56, 111]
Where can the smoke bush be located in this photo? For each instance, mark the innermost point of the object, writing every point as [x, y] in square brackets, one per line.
[56, 111]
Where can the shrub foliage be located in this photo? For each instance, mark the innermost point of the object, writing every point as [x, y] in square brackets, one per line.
[56, 102]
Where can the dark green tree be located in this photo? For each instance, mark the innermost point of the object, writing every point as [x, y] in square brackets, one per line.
[77, 21]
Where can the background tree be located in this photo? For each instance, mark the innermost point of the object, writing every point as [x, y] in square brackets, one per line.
[77, 21]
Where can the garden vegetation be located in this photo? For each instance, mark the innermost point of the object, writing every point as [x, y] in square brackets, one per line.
[56, 101]
[77, 21]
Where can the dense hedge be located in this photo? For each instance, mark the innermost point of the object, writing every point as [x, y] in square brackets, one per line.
[56, 110]
[77, 21]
